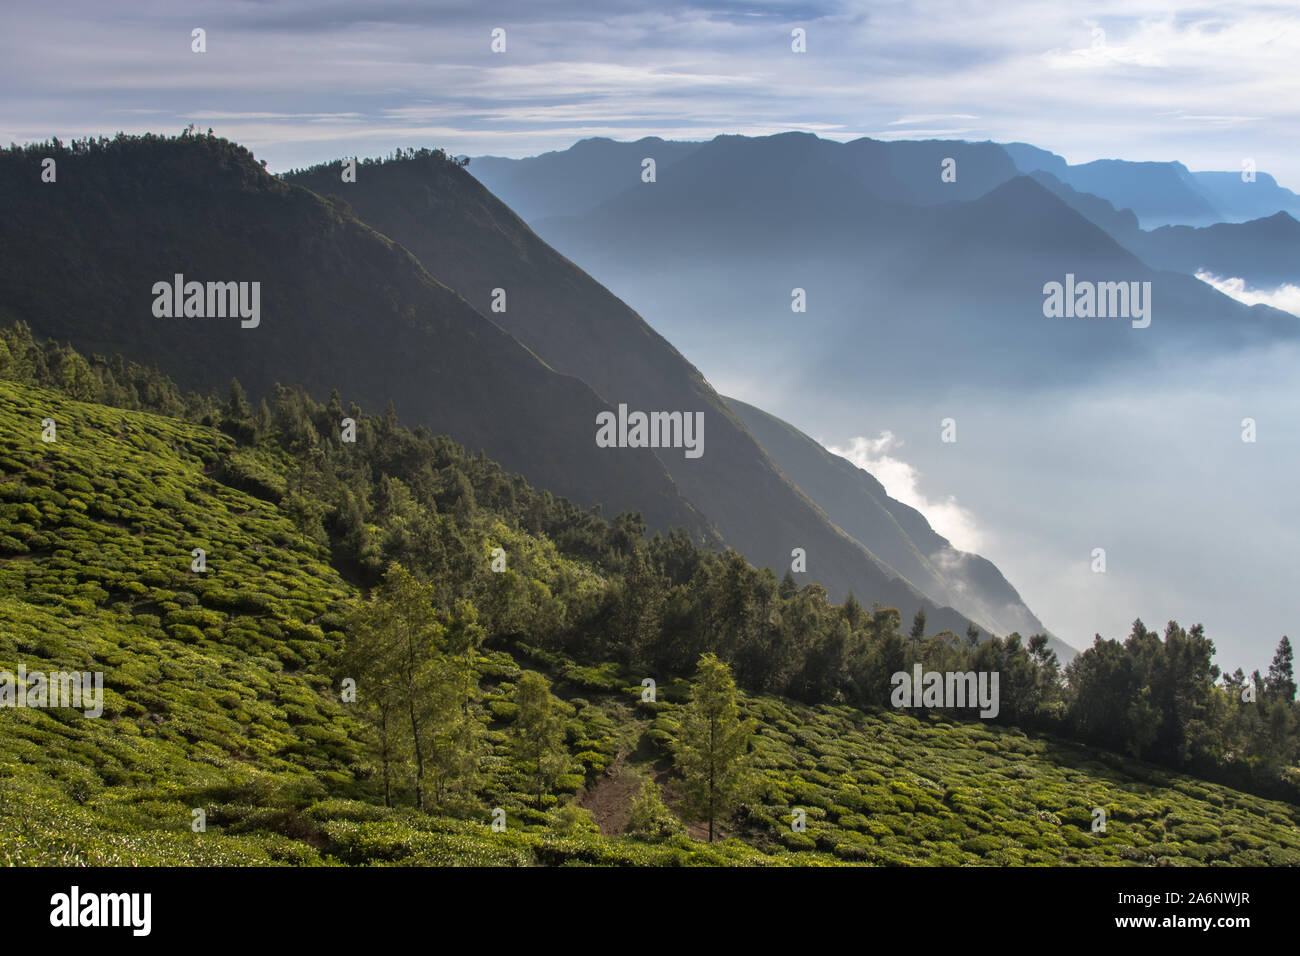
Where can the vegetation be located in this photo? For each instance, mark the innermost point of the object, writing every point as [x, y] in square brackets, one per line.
[350, 680]
[711, 744]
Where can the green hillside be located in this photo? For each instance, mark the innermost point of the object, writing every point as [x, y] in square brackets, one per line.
[223, 687]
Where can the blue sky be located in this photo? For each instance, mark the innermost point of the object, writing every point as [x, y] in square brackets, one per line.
[302, 82]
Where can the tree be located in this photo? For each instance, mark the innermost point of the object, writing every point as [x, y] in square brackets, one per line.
[405, 610]
[370, 658]
[419, 671]
[1280, 682]
[711, 746]
[237, 403]
[539, 731]
[456, 738]
[918, 625]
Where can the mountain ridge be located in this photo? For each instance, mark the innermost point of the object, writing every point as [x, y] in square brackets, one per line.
[579, 327]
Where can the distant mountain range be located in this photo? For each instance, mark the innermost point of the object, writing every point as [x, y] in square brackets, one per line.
[728, 231]
[574, 181]
[1162, 194]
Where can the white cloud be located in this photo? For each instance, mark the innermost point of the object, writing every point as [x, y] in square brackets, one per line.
[1285, 297]
[903, 482]
[687, 70]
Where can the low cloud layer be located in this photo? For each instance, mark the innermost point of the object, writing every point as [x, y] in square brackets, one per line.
[903, 481]
[1284, 297]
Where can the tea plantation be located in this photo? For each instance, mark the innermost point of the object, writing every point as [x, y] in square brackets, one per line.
[222, 696]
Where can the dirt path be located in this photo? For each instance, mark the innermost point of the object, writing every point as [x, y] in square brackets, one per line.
[610, 798]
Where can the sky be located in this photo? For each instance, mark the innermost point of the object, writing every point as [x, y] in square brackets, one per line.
[305, 82]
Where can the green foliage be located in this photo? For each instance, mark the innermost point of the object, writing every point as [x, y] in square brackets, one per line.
[539, 732]
[651, 820]
[712, 742]
[324, 561]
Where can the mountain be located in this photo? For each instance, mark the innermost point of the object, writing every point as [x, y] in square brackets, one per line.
[1243, 200]
[1115, 194]
[568, 182]
[711, 254]
[574, 181]
[340, 306]
[470, 239]
[911, 171]
[1122, 224]
[899, 535]
[1164, 193]
[1158, 193]
[1264, 252]
[788, 166]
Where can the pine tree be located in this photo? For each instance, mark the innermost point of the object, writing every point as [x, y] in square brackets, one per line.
[237, 404]
[918, 625]
[712, 744]
[1280, 683]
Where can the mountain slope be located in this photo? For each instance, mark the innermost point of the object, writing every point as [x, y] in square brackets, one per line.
[899, 535]
[341, 306]
[465, 235]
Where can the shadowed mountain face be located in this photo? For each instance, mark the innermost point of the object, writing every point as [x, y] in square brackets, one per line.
[472, 241]
[340, 306]
[898, 534]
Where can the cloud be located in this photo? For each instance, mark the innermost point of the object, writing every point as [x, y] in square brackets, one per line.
[902, 481]
[930, 118]
[287, 74]
[1285, 297]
